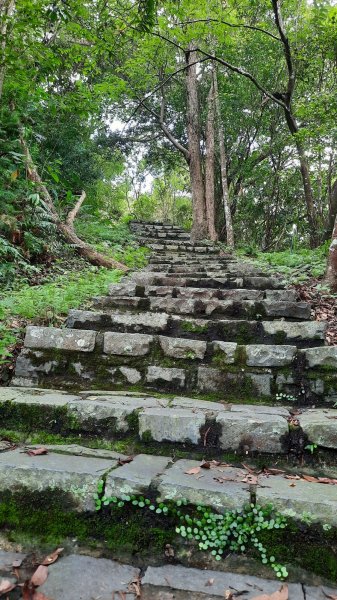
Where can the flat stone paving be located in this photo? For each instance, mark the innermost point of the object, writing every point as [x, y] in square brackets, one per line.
[81, 577]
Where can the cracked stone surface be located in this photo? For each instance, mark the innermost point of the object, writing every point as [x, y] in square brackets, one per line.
[127, 344]
[60, 339]
[171, 424]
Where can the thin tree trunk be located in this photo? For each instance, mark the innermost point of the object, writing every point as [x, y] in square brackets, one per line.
[332, 211]
[209, 166]
[223, 167]
[6, 11]
[67, 228]
[199, 227]
[331, 273]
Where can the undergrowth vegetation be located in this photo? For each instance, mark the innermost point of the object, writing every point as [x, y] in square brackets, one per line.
[296, 266]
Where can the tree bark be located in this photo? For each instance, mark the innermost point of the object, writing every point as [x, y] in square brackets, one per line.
[199, 227]
[67, 228]
[223, 167]
[331, 273]
[6, 11]
[332, 211]
[209, 166]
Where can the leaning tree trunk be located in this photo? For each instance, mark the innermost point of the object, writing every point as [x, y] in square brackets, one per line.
[223, 167]
[332, 212]
[66, 228]
[199, 227]
[331, 273]
[209, 166]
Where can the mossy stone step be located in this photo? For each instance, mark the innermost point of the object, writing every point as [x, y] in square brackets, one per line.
[298, 333]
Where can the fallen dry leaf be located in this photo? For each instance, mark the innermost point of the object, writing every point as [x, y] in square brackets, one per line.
[51, 558]
[124, 461]
[253, 479]
[135, 587]
[193, 471]
[282, 594]
[209, 582]
[330, 596]
[6, 586]
[40, 576]
[17, 563]
[40, 596]
[169, 551]
[310, 478]
[36, 451]
[229, 595]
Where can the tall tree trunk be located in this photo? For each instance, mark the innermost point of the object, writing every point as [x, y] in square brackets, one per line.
[223, 166]
[332, 211]
[331, 273]
[67, 228]
[6, 11]
[305, 174]
[199, 227]
[209, 165]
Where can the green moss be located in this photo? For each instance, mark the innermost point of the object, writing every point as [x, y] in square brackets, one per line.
[191, 327]
[241, 356]
[147, 436]
[280, 337]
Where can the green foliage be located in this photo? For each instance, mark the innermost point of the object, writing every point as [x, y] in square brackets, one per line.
[233, 531]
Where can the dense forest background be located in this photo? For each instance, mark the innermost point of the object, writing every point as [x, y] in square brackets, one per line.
[218, 115]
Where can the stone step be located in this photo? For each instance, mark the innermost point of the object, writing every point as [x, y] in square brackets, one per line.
[164, 235]
[178, 241]
[226, 282]
[185, 421]
[73, 478]
[86, 577]
[301, 334]
[205, 270]
[73, 357]
[178, 291]
[245, 309]
[159, 245]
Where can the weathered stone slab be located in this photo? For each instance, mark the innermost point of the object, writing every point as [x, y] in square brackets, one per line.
[321, 357]
[176, 484]
[296, 331]
[205, 405]
[74, 475]
[281, 295]
[299, 497]
[260, 409]
[249, 432]
[260, 355]
[131, 375]
[182, 348]
[321, 427]
[319, 593]
[171, 424]
[227, 350]
[60, 339]
[86, 578]
[175, 577]
[135, 477]
[216, 380]
[127, 344]
[7, 559]
[292, 310]
[123, 289]
[165, 374]
[173, 305]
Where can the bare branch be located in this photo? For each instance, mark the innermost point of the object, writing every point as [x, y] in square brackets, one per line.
[73, 213]
[286, 49]
[235, 25]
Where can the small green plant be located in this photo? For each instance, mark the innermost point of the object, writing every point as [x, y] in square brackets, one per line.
[233, 530]
[285, 398]
[311, 447]
[190, 355]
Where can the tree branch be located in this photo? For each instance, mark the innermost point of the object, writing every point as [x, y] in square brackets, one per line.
[286, 49]
[235, 25]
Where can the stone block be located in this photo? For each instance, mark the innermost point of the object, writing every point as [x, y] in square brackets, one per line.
[260, 355]
[292, 310]
[197, 581]
[127, 344]
[182, 348]
[220, 488]
[60, 339]
[123, 289]
[131, 374]
[227, 351]
[135, 477]
[250, 431]
[182, 306]
[172, 424]
[320, 501]
[86, 578]
[325, 356]
[320, 427]
[164, 374]
[76, 476]
[307, 330]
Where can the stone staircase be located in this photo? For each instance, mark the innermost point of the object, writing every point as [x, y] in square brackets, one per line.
[197, 355]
